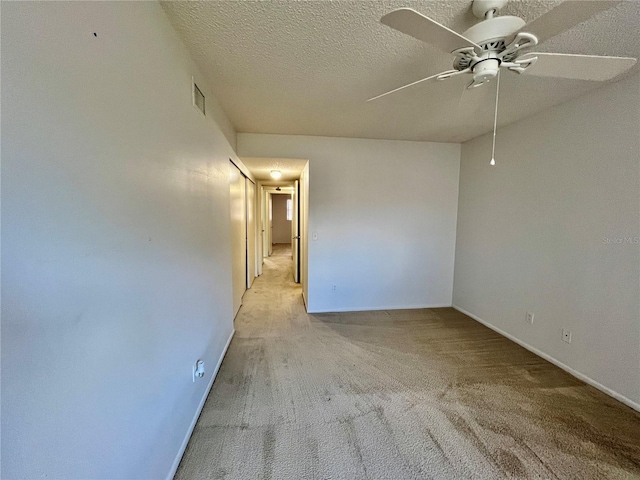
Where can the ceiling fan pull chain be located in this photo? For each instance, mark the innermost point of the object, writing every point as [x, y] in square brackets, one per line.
[495, 123]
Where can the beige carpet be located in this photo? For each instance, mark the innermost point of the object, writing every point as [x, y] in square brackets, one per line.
[396, 395]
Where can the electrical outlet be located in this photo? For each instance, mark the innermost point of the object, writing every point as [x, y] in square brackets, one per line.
[566, 335]
[530, 318]
[334, 288]
[197, 371]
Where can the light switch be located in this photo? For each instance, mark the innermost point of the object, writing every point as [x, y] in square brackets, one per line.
[314, 236]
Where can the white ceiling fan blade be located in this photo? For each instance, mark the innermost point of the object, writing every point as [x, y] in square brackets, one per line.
[442, 76]
[566, 15]
[402, 88]
[410, 22]
[578, 67]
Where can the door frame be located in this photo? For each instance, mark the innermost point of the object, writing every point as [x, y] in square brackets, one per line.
[295, 231]
[268, 190]
[303, 225]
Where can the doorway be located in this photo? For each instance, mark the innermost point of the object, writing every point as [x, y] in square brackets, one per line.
[292, 184]
[284, 224]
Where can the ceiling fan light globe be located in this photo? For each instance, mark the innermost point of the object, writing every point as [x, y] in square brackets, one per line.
[485, 71]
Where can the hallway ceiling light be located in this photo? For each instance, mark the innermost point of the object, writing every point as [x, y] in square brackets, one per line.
[276, 174]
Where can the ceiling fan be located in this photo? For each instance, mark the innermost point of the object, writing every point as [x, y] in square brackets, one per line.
[499, 43]
[502, 43]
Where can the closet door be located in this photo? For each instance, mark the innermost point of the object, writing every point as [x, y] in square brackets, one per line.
[251, 231]
[238, 235]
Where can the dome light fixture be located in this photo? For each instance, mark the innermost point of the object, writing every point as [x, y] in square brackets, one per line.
[276, 174]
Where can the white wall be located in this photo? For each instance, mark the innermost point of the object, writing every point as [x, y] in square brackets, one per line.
[115, 250]
[281, 226]
[533, 230]
[385, 215]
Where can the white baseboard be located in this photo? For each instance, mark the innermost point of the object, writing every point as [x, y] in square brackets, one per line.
[557, 363]
[183, 447]
[371, 309]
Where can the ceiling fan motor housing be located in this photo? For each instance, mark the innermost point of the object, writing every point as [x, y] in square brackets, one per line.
[494, 35]
[493, 29]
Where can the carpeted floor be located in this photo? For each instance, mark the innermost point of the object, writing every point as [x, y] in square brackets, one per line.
[407, 394]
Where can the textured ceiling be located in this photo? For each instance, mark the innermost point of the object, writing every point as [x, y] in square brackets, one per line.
[308, 67]
[260, 168]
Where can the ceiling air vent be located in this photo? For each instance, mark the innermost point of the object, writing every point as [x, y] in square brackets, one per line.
[198, 98]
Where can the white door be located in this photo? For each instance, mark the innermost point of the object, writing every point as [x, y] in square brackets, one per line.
[264, 213]
[270, 232]
[251, 231]
[238, 235]
[259, 227]
[304, 231]
[295, 230]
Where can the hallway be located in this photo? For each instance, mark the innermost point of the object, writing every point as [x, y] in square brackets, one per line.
[405, 394]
